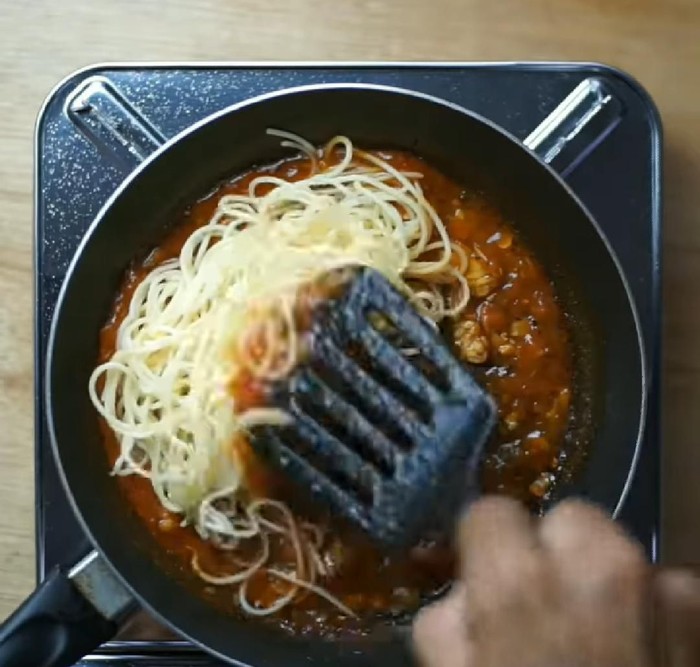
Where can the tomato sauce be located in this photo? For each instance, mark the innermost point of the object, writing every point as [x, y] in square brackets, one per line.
[513, 333]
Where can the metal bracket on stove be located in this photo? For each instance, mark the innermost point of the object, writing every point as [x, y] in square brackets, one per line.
[578, 124]
[112, 123]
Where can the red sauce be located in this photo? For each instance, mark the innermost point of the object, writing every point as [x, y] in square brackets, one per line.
[524, 360]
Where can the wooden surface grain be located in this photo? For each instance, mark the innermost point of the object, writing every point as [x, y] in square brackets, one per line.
[44, 40]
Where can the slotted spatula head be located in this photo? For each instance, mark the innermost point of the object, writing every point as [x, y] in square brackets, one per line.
[387, 425]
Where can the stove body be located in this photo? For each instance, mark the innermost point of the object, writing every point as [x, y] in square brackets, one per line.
[615, 171]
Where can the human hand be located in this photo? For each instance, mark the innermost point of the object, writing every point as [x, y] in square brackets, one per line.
[571, 589]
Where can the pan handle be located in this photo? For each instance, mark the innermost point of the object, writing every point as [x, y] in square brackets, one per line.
[583, 119]
[71, 613]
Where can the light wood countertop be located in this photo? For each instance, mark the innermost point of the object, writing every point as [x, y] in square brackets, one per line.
[658, 42]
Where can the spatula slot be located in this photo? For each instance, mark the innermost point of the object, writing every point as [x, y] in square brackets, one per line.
[340, 418]
[341, 467]
[392, 380]
[357, 386]
[410, 350]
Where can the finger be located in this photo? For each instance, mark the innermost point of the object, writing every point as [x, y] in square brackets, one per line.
[440, 632]
[499, 552]
[593, 555]
[603, 580]
[677, 630]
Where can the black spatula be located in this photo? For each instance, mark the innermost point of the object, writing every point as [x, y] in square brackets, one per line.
[387, 425]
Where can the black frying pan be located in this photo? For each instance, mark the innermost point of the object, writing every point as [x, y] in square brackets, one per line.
[58, 624]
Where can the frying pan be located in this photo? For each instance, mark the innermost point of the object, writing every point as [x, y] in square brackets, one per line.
[74, 611]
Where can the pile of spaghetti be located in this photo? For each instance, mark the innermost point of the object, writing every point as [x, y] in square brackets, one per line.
[226, 307]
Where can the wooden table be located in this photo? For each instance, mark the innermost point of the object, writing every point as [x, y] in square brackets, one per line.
[42, 41]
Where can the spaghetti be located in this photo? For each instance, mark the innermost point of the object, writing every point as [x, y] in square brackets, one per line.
[225, 307]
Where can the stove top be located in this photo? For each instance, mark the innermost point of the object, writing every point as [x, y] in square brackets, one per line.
[614, 167]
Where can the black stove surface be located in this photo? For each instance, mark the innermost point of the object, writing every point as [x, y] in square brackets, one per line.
[619, 181]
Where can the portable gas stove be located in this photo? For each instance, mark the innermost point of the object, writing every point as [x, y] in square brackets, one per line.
[594, 124]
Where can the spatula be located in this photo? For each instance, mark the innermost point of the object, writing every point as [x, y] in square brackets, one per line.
[387, 425]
